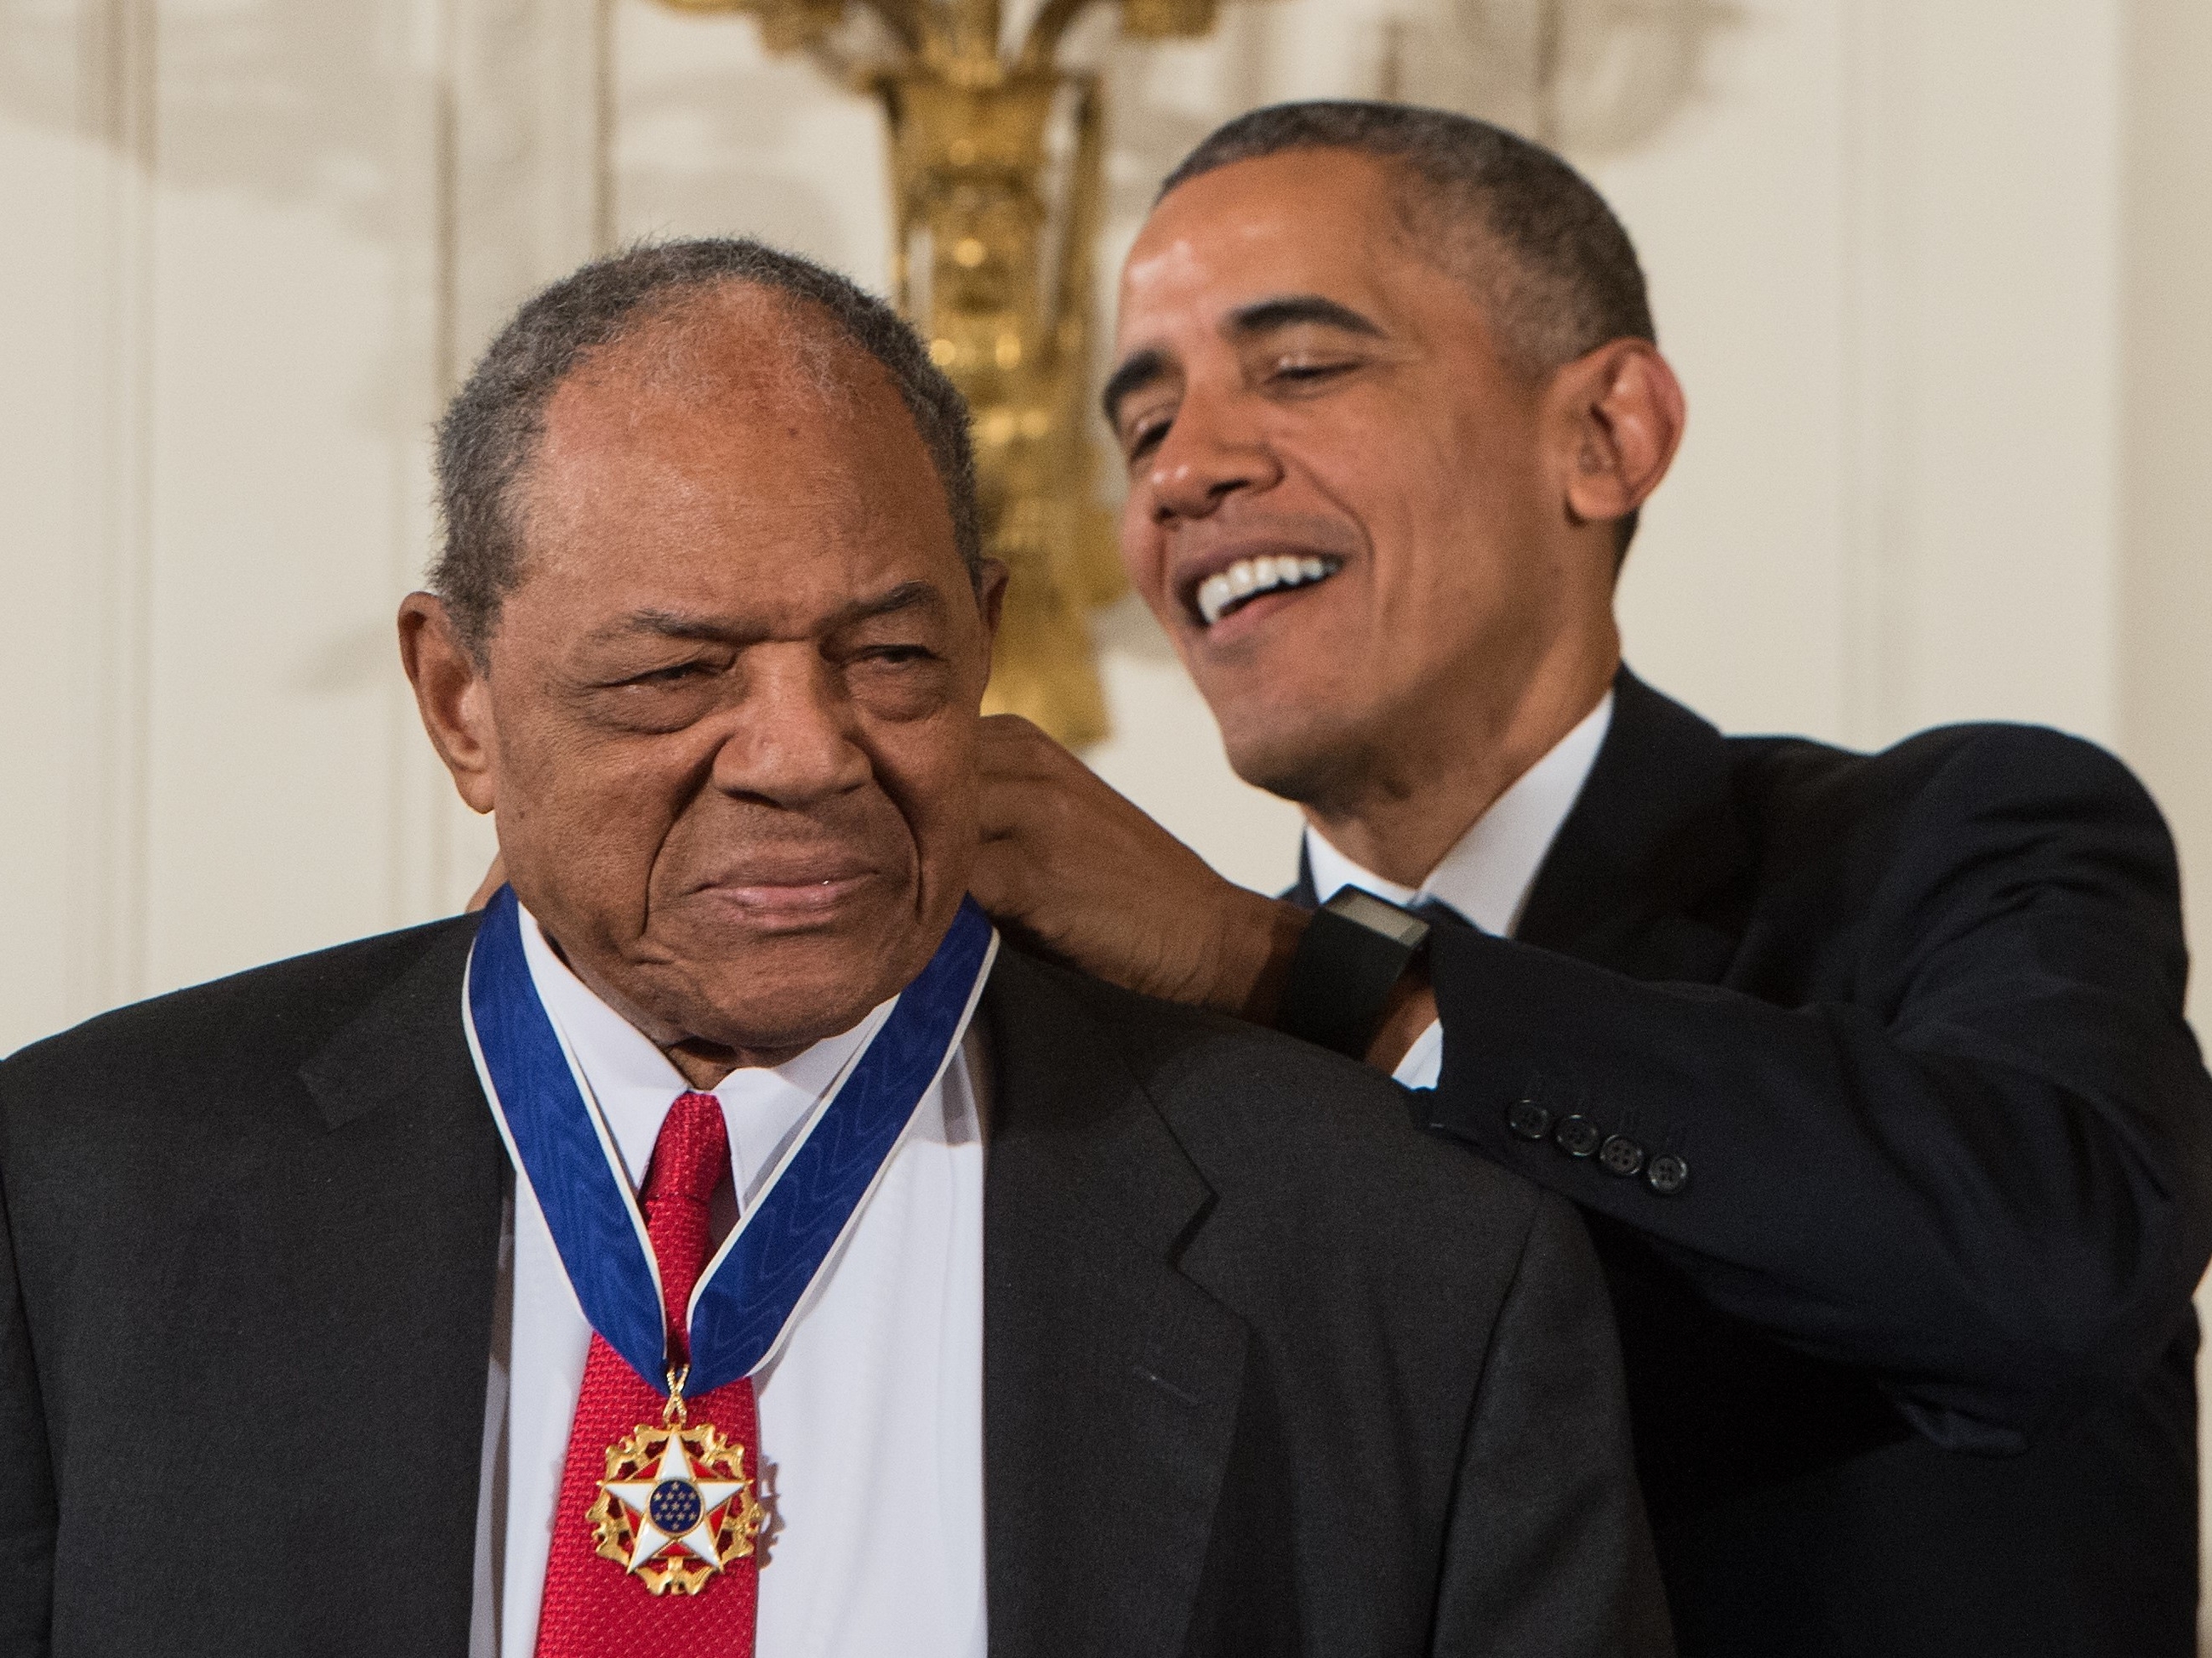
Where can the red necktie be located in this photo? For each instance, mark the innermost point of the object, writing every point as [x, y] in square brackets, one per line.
[594, 1607]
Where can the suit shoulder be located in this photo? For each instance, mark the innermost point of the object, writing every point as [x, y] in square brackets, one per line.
[1884, 858]
[282, 1011]
[1258, 1110]
[1959, 766]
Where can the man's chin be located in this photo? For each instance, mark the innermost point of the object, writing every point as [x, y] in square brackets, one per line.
[775, 989]
[1305, 762]
[753, 1014]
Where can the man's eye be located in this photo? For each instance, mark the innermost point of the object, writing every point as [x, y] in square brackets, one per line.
[676, 674]
[898, 656]
[1143, 439]
[1302, 372]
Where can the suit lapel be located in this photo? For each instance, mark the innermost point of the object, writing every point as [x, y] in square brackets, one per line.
[416, 1250]
[1645, 874]
[1111, 1382]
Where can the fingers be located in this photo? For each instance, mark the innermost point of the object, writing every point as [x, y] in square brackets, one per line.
[1032, 787]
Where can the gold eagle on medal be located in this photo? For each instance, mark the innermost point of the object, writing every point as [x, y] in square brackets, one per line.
[676, 1507]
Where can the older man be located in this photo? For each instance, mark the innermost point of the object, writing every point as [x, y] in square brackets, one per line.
[1870, 1071]
[817, 1320]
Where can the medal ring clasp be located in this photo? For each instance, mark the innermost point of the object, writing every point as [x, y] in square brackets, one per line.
[672, 1413]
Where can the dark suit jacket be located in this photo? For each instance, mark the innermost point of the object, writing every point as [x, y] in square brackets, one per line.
[1909, 1354]
[1266, 1370]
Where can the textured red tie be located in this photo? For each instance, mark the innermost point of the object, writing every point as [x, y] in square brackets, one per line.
[594, 1607]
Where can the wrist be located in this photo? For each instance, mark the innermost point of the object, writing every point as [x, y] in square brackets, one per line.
[1411, 1010]
[1356, 969]
[1255, 944]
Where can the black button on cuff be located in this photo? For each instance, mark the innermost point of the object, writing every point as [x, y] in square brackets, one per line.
[1527, 1120]
[1578, 1135]
[1620, 1156]
[1667, 1176]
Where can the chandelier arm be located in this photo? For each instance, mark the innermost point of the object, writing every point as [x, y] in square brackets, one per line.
[1087, 182]
[974, 29]
[1053, 21]
[907, 20]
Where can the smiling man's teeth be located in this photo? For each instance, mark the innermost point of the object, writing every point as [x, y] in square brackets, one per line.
[1248, 578]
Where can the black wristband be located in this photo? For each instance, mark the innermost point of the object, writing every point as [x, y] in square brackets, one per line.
[1355, 950]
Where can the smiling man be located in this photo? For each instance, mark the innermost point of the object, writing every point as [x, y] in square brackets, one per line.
[1868, 1071]
[722, 1247]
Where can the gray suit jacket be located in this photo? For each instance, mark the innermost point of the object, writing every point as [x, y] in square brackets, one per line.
[1266, 1370]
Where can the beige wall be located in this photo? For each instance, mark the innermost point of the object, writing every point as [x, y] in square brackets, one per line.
[1929, 271]
[1934, 271]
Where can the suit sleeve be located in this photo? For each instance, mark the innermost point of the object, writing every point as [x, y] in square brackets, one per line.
[26, 1490]
[1548, 1554]
[1982, 1171]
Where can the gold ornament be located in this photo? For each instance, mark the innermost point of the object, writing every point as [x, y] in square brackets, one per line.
[676, 1505]
[995, 228]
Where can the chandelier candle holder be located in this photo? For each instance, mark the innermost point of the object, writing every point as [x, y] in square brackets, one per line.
[998, 171]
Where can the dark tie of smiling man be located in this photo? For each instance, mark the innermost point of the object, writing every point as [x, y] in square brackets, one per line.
[1868, 1073]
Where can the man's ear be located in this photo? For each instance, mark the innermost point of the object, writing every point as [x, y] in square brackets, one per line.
[1620, 412]
[455, 701]
[991, 598]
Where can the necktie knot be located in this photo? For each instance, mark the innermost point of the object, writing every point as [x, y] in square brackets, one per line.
[1435, 910]
[692, 1153]
[689, 1161]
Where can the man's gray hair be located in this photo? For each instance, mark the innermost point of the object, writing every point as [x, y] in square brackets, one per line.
[493, 426]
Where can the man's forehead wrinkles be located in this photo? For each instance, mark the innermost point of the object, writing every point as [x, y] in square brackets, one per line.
[682, 624]
[907, 596]
[718, 627]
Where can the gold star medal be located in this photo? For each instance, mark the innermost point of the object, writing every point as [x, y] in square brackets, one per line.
[676, 1505]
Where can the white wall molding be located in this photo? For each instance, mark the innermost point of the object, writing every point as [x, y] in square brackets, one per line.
[107, 803]
[1877, 502]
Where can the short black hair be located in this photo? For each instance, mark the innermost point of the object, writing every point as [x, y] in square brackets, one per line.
[495, 422]
[1552, 266]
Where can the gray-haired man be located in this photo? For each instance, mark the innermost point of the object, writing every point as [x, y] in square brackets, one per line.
[841, 1290]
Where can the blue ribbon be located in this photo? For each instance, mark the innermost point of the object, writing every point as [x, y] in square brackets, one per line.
[740, 1311]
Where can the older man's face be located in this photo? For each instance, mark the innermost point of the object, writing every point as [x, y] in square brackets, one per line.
[1339, 501]
[733, 701]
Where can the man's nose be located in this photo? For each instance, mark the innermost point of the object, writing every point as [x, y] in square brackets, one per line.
[1215, 446]
[793, 741]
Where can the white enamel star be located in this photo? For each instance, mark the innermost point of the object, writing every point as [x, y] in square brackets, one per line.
[636, 1494]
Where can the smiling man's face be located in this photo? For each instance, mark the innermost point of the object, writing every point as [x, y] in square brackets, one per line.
[729, 718]
[1342, 505]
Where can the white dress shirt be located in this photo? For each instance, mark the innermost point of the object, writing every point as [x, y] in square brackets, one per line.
[871, 1414]
[1487, 875]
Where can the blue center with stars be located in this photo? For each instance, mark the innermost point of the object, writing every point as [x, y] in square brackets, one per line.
[675, 1507]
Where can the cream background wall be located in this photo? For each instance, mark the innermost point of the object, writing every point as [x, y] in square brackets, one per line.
[1933, 271]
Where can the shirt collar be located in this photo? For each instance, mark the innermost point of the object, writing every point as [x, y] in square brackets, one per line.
[1488, 874]
[634, 1084]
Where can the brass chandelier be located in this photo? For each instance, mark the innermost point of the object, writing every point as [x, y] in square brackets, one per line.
[997, 170]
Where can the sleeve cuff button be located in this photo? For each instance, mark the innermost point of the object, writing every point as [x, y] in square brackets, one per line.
[1578, 1135]
[1667, 1176]
[1528, 1121]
